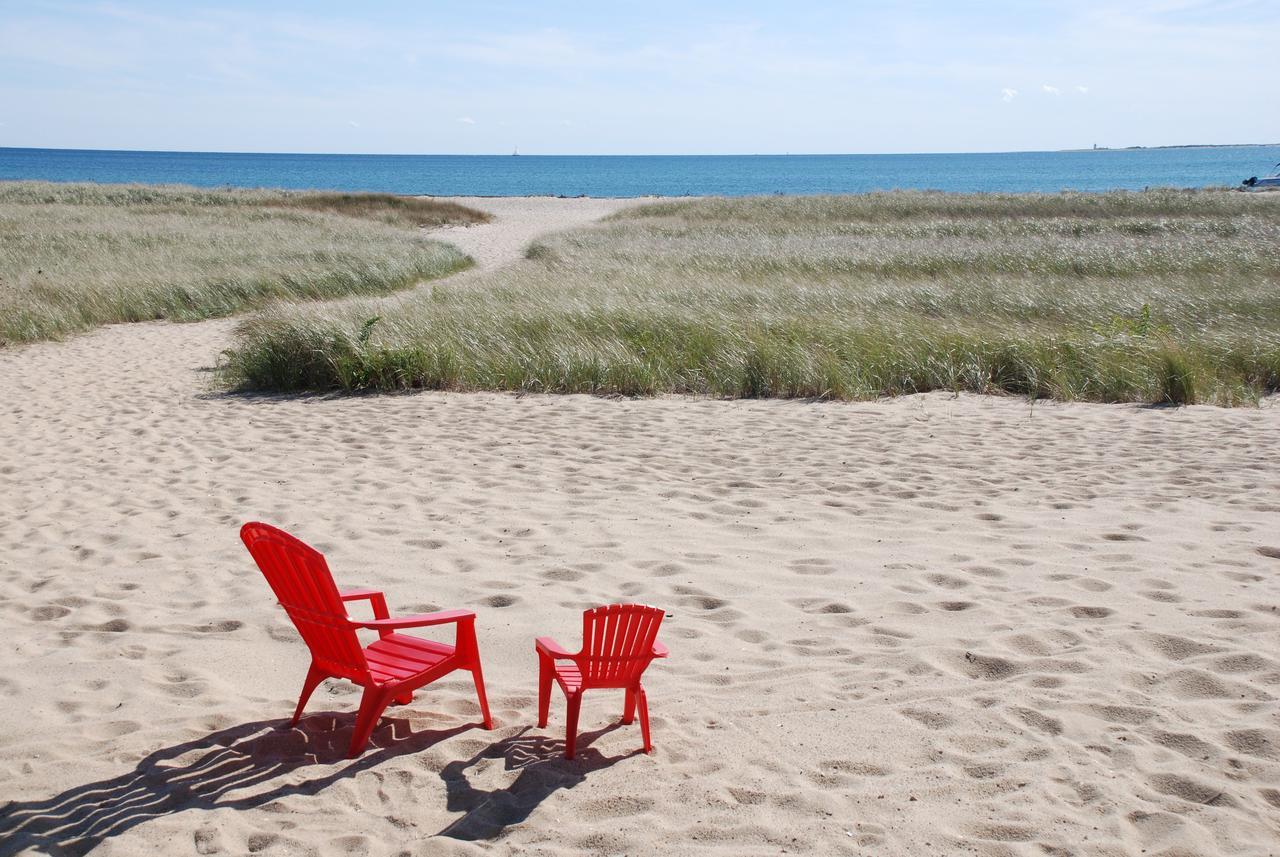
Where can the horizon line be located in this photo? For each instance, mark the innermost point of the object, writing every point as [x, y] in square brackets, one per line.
[648, 155]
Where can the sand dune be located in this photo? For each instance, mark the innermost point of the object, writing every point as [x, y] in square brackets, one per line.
[925, 626]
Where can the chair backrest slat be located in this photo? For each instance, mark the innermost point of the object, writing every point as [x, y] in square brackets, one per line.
[617, 643]
[302, 583]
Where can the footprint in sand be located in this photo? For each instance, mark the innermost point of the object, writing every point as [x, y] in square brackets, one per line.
[987, 667]
[1085, 612]
[224, 626]
[1126, 714]
[1177, 648]
[1186, 744]
[927, 718]
[1246, 662]
[812, 566]
[1190, 790]
[668, 569]
[563, 575]
[1123, 537]
[1217, 614]
[1261, 743]
[752, 635]
[810, 605]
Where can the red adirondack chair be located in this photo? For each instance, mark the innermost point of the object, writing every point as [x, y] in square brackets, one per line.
[390, 668]
[618, 642]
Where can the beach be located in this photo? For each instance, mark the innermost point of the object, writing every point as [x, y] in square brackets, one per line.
[922, 625]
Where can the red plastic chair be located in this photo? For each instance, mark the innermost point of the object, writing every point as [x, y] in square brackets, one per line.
[618, 642]
[390, 668]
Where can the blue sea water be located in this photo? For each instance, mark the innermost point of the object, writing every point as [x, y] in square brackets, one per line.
[654, 175]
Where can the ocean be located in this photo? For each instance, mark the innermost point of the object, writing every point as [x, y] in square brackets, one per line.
[655, 175]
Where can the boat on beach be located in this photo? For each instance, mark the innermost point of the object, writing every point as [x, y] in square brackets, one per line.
[1255, 183]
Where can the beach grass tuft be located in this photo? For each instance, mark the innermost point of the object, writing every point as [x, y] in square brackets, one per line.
[1157, 297]
[75, 256]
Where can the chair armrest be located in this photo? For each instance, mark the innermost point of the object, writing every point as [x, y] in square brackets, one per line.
[422, 620]
[550, 648]
[375, 598]
[659, 650]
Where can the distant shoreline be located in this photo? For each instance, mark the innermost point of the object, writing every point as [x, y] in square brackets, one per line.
[1176, 146]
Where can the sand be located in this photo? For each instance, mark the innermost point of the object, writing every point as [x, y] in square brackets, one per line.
[933, 625]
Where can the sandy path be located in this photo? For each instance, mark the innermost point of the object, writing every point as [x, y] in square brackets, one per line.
[518, 220]
[931, 625]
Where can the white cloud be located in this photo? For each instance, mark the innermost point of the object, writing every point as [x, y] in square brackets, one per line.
[1083, 90]
[1052, 90]
[466, 120]
[353, 123]
[1007, 94]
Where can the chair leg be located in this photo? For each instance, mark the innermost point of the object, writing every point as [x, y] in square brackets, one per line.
[372, 704]
[315, 675]
[478, 675]
[643, 704]
[544, 690]
[629, 707]
[468, 653]
[404, 698]
[571, 725]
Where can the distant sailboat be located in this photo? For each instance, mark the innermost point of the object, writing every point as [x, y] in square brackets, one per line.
[515, 153]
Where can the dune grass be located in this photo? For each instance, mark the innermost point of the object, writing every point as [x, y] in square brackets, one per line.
[74, 256]
[1161, 296]
[387, 207]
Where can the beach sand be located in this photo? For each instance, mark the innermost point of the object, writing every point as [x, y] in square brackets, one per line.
[932, 625]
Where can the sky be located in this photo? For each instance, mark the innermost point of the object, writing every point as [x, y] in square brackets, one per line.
[638, 78]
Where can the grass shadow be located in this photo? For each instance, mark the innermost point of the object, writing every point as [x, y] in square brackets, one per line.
[273, 398]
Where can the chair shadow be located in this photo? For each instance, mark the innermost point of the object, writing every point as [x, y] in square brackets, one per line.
[543, 771]
[203, 774]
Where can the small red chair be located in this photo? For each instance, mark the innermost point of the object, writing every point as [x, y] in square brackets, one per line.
[390, 668]
[618, 642]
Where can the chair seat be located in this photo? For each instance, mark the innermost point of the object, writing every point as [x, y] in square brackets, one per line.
[399, 656]
[568, 676]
